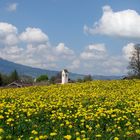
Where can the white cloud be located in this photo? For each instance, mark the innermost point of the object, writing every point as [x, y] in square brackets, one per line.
[75, 64]
[110, 65]
[63, 51]
[11, 39]
[13, 53]
[8, 34]
[12, 7]
[33, 35]
[115, 64]
[6, 28]
[36, 50]
[94, 51]
[122, 23]
[95, 59]
[115, 71]
[127, 50]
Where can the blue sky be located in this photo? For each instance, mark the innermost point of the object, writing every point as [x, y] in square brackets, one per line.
[84, 36]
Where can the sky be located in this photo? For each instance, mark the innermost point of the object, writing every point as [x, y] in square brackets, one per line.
[94, 37]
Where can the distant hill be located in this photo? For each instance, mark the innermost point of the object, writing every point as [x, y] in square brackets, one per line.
[112, 77]
[7, 67]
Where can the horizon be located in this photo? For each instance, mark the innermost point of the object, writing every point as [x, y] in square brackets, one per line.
[85, 37]
[61, 70]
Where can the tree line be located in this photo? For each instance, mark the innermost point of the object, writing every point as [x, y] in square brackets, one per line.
[42, 79]
[7, 79]
[134, 72]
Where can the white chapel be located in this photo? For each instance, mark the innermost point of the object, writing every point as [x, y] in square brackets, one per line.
[65, 76]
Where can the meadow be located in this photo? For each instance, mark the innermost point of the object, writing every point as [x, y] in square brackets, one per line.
[97, 110]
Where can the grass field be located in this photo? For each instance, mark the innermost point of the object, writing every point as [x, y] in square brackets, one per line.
[106, 110]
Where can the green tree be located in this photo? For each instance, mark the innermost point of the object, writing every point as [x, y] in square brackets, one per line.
[42, 78]
[5, 79]
[14, 76]
[134, 64]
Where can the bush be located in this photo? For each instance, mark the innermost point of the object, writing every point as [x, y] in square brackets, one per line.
[42, 78]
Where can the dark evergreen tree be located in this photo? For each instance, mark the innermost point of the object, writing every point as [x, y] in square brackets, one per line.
[1, 80]
[14, 76]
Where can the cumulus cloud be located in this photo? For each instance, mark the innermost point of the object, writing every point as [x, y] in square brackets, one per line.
[122, 23]
[7, 28]
[8, 34]
[33, 35]
[127, 50]
[115, 64]
[32, 48]
[45, 56]
[37, 51]
[110, 65]
[63, 51]
[12, 7]
[74, 65]
[95, 59]
[94, 51]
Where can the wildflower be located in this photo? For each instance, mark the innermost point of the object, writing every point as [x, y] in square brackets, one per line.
[97, 126]
[31, 138]
[43, 137]
[70, 126]
[98, 136]
[34, 132]
[68, 137]
[61, 124]
[77, 133]
[116, 138]
[1, 130]
[1, 117]
[53, 134]
[36, 138]
[78, 138]
[138, 131]
[83, 131]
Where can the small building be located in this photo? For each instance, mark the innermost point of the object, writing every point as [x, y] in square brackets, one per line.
[65, 76]
[14, 84]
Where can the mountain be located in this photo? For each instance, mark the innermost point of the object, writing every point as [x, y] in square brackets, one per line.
[103, 77]
[7, 67]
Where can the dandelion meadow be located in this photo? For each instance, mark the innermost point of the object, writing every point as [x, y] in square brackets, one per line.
[97, 110]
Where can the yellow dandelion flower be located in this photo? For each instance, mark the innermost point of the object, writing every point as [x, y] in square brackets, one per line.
[53, 134]
[34, 132]
[43, 137]
[70, 126]
[116, 138]
[138, 131]
[68, 137]
[77, 133]
[98, 135]
[1, 130]
[1, 117]
[36, 138]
